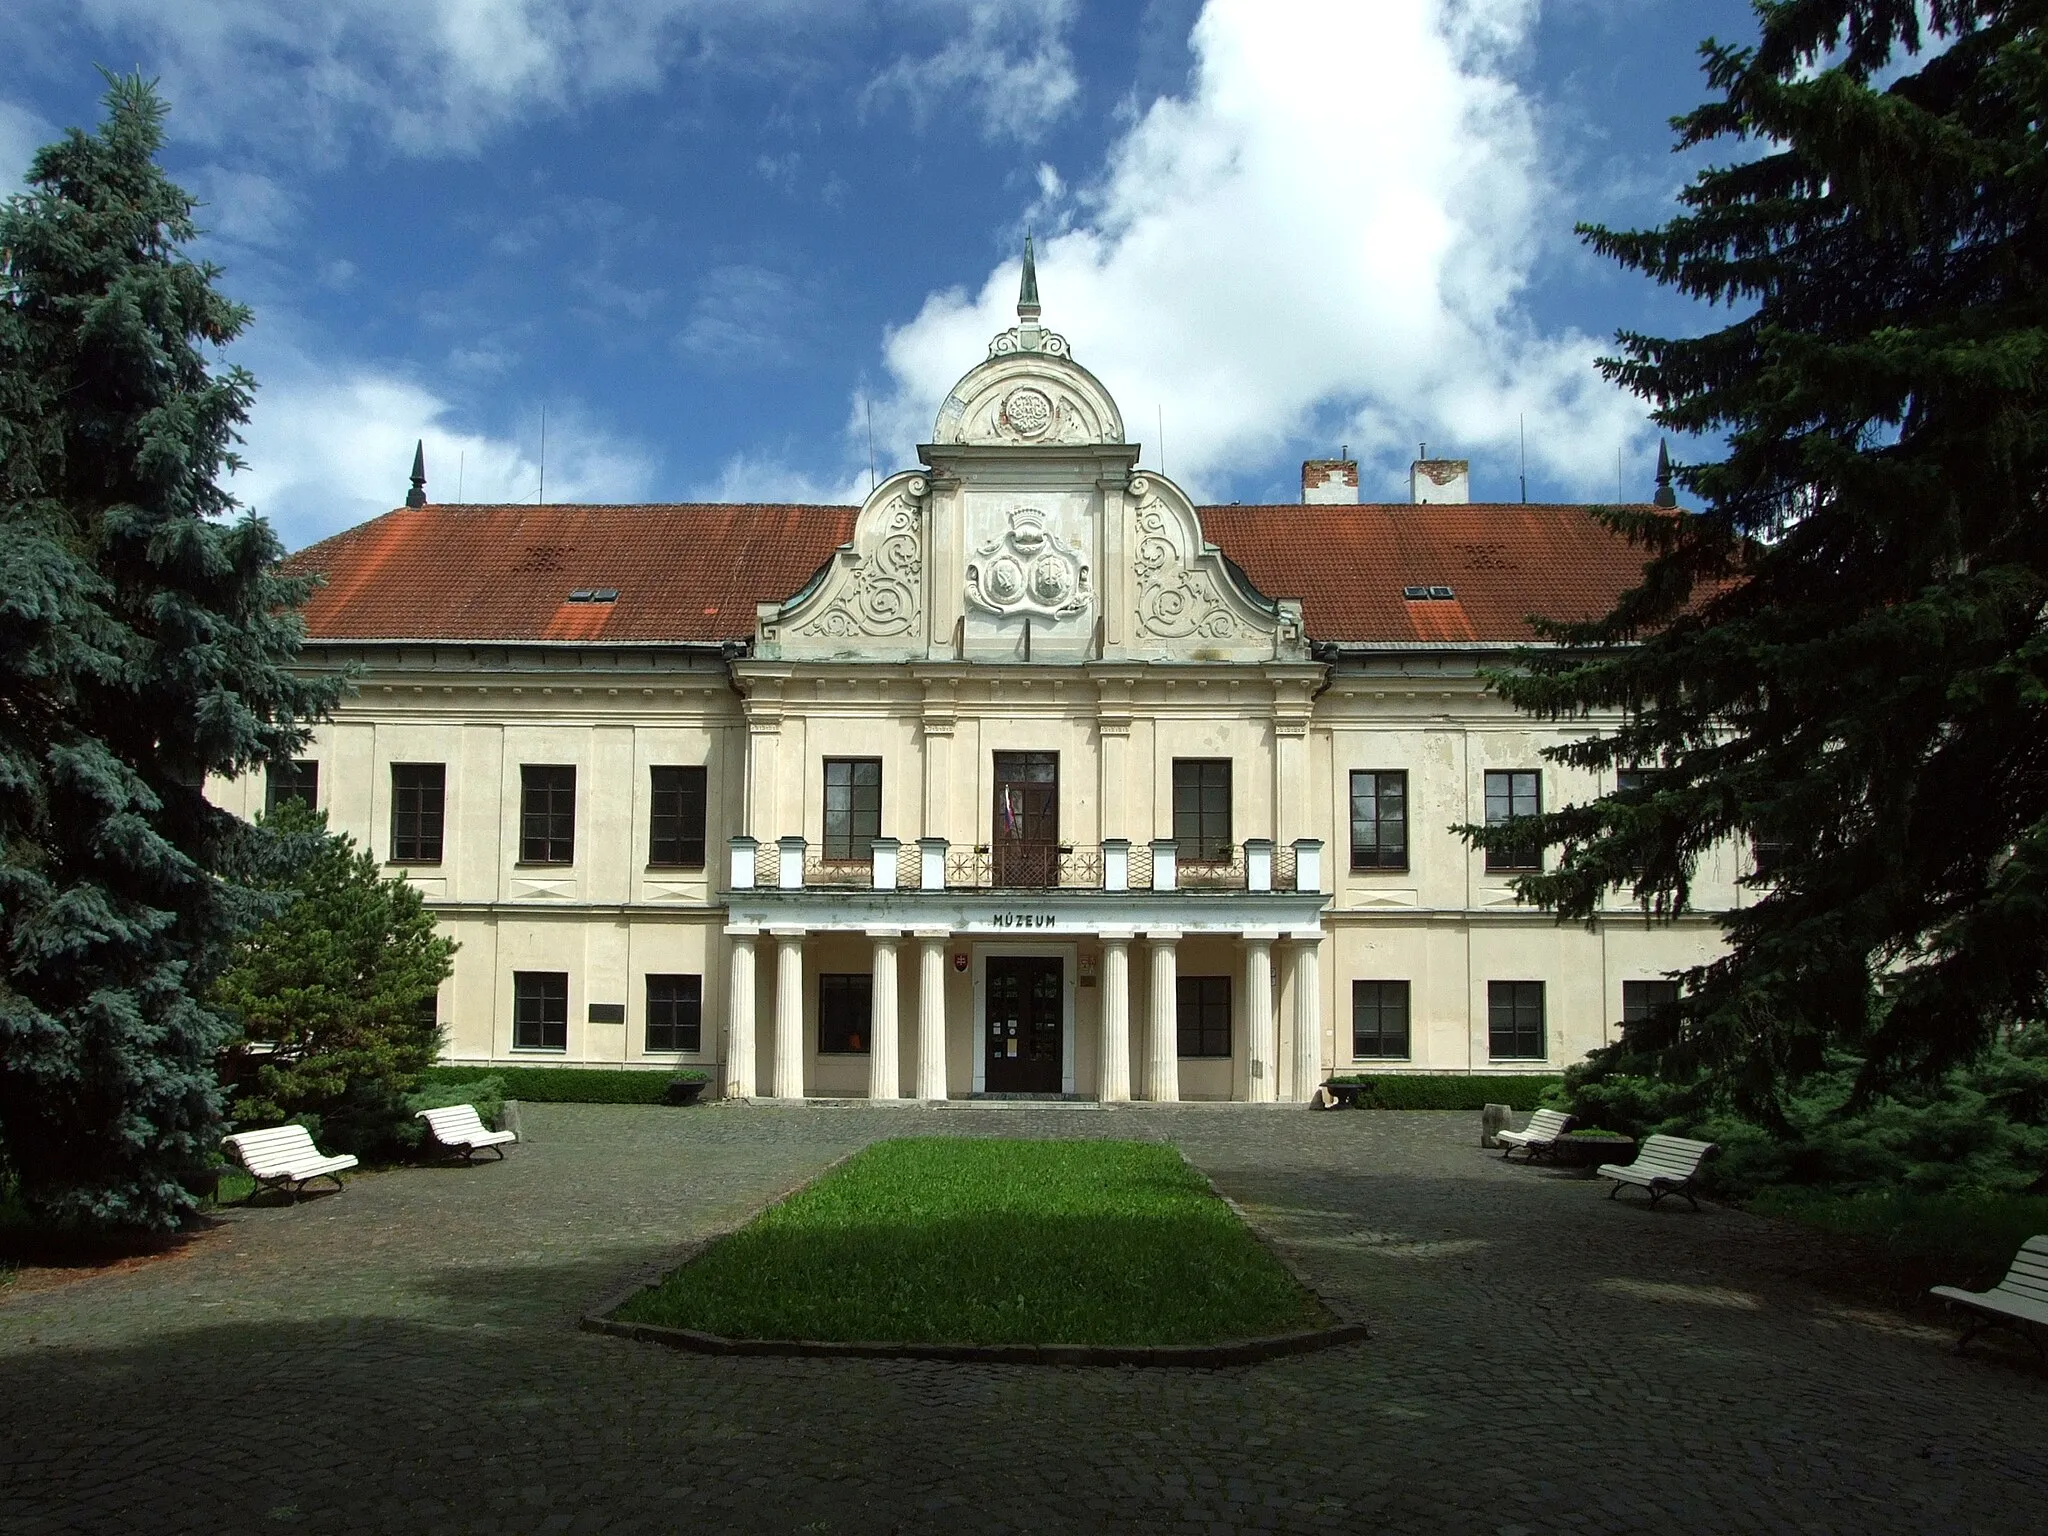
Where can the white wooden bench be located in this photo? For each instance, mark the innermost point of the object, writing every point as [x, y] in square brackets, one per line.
[459, 1128]
[1539, 1135]
[284, 1157]
[1664, 1165]
[2019, 1301]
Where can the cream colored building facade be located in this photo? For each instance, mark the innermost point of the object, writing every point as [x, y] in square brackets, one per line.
[1038, 659]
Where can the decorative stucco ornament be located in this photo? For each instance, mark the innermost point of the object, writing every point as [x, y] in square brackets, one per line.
[1029, 569]
[1027, 412]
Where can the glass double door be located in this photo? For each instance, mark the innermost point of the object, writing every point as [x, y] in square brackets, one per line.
[1022, 1031]
[1026, 836]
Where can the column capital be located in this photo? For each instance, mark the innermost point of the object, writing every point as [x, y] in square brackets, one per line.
[786, 933]
[932, 935]
[1260, 935]
[1162, 935]
[884, 935]
[742, 930]
[1307, 937]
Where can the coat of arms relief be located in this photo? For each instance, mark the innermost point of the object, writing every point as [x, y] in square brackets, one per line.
[1029, 570]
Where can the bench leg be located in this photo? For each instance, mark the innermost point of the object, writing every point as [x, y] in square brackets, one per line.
[1614, 1191]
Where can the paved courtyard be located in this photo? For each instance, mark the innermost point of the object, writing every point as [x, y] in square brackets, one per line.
[405, 1357]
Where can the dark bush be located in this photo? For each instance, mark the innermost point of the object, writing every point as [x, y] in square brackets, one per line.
[568, 1085]
[1447, 1090]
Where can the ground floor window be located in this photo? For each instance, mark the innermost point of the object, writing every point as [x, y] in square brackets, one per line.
[1204, 1013]
[1379, 1020]
[1646, 1003]
[540, 1010]
[1514, 1018]
[843, 1009]
[675, 1013]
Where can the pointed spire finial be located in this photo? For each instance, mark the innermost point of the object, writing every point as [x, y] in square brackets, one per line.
[417, 496]
[1027, 290]
[1666, 496]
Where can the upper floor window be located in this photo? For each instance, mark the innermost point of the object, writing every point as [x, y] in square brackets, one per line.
[845, 1001]
[1510, 796]
[298, 780]
[540, 1010]
[1201, 809]
[547, 814]
[1204, 1015]
[1379, 1020]
[1379, 820]
[1514, 1020]
[418, 798]
[853, 806]
[675, 838]
[675, 1013]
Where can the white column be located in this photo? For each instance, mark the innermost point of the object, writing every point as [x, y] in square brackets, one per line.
[1308, 1016]
[931, 1016]
[1162, 1055]
[739, 1020]
[788, 1082]
[1113, 1084]
[884, 1075]
[1262, 1033]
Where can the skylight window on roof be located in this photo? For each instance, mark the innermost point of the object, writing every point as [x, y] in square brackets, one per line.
[581, 595]
[594, 595]
[1441, 594]
[1428, 594]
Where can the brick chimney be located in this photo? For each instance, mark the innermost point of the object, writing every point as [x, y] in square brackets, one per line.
[1440, 481]
[1329, 482]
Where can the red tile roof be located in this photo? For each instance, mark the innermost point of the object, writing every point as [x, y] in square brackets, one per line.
[505, 573]
[695, 572]
[1502, 561]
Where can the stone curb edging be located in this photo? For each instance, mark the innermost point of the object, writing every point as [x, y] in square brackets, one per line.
[1204, 1356]
[1186, 1356]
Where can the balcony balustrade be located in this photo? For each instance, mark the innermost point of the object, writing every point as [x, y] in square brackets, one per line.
[931, 864]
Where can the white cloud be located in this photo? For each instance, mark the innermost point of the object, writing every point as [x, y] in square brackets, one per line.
[435, 77]
[1324, 239]
[742, 318]
[22, 133]
[330, 445]
[1013, 62]
[749, 477]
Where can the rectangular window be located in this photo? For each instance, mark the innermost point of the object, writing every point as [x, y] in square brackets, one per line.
[1510, 796]
[1514, 1019]
[1379, 821]
[540, 1010]
[675, 838]
[298, 781]
[418, 797]
[1647, 1003]
[843, 1006]
[1379, 1020]
[1201, 809]
[547, 814]
[853, 806]
[675, 1013]
[1204, 1015]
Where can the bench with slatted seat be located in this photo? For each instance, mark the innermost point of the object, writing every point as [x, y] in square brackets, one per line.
[2019, 1301]
[1665, 1165]
[1539, 1135]
[284, 1157]
[459, 1128]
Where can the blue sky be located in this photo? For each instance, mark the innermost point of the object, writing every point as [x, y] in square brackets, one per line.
[714, 239]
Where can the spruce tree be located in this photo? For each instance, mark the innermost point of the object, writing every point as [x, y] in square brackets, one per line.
[146, 639]
[1841, 657]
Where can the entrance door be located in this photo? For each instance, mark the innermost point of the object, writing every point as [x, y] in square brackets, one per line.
[1026, 837]
[1022, 1033]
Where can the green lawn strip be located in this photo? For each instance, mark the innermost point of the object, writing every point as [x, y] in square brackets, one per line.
[967, 1241]
[1966, 1240]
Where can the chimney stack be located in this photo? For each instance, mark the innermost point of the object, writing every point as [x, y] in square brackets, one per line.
[1330, 482]
[1435, 482]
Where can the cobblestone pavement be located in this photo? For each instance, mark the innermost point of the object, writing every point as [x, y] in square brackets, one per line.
[404, 1357]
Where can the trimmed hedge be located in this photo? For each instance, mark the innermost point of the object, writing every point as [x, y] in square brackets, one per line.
[1448, 1090]
[570, 1085]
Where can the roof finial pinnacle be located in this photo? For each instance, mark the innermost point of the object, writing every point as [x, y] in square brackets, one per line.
[417, 496]
[1666, 496]
[1027, 289]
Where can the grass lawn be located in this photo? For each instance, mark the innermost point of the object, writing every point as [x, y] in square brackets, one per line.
[1922, 1240]
[956, 1241]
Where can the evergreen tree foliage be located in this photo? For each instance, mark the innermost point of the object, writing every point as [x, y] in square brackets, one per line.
[1842, 656]
[145, 642]
[330, 993]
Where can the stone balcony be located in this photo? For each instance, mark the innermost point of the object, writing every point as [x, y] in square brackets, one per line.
[1117, 865]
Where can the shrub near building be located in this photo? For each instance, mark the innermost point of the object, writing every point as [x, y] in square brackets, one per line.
[334, 996]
